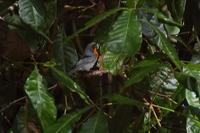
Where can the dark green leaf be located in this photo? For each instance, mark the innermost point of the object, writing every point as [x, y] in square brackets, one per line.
[65, 123]
[112, 62]
[132, 3]
[124, 41]
[95, 124]
[64, 53]
[42, 102]
[20, 122]
[96, 20]
[31, 14]
[165, 45]
[141, 70]
[51, 10]
[71, 85]
[119, 99]
[177, 8]
[164, 19]
[125, 38]
[192, 70]
[193, 124]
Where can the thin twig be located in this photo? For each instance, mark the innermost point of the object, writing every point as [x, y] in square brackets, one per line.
[12, 103]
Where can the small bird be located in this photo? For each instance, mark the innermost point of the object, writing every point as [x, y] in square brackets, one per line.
[89, 59]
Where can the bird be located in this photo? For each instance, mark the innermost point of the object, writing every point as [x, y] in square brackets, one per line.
[88, 60]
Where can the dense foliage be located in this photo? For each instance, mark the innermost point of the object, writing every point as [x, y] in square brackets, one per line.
[146, 79]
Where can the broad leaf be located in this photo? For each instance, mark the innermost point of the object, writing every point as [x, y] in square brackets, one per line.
[65, 123]
[51, 9]
[192, 70]
[124, 41]
[31, 13]
[95, 124]
[164, 80]
[192, 98]
[42, 102]
[112, 62]
[65, 55]
[177, 8]
[70, 84]
[125, 37]
[164, 19]
[192, 124]
[165, 45]
[141, 70]
[20, 124]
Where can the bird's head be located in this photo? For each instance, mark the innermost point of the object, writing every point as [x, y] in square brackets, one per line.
[92, 49]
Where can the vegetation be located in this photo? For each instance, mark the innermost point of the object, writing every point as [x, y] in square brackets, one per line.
[146, 79]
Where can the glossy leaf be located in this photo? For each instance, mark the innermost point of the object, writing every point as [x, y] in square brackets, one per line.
[125, 37]
[192, 98]
[42, 102]
[164, 19]
[192, 124]
[192, 70]
[31, 14]
[95, 124]
[112, 62]
[165, 45]
[64, 53]
[164, 80]
[124, 41]
[70, 84]
[65, 123]
[141, 70]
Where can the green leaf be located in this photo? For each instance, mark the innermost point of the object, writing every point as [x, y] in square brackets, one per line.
[164, 19]
[192, 99]
[96, 20]
[123, 100]
[51, 10]
[165, 45]
[141, 70]
[132, 3]
[32, 14]
[71, 85]
[65, 55]
[112, 62]
[192, 70]
[65, 123]
[177, 8]
[42, 102]
[124, 41]
[192, 124]
[125, 38]
[95, 124]
[20, 123]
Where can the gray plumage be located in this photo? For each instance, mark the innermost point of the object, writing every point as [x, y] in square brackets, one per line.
[88, 60]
